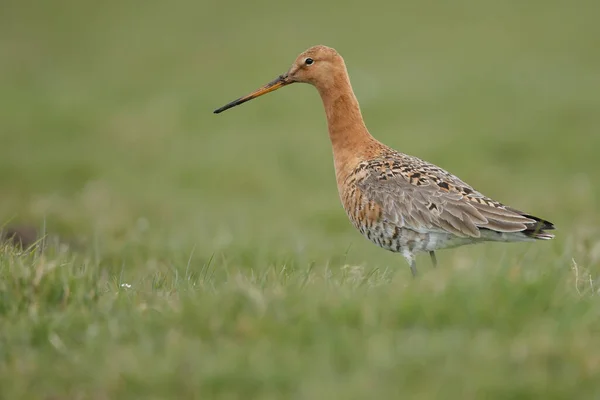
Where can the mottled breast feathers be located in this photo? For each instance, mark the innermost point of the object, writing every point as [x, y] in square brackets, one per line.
[411, 193]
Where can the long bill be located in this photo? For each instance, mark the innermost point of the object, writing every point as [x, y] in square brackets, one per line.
[281, 81]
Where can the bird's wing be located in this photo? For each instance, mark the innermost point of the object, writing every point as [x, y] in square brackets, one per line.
[420, 196]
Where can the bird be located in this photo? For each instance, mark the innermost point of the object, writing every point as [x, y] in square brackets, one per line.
[399, 202]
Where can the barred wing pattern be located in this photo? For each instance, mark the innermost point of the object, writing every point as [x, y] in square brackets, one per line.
[420, 196]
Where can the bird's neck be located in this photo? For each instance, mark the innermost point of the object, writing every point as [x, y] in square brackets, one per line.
[349, 136]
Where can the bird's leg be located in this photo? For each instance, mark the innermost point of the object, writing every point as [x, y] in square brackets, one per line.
[433, 258]
[410, 258]
[413, 268]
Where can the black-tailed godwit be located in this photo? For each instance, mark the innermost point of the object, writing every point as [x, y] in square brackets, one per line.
[399, 202]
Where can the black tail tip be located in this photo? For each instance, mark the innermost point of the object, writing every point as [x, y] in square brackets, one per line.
[538, 229]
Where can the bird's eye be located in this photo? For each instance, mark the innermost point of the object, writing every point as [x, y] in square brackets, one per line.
[309, 61]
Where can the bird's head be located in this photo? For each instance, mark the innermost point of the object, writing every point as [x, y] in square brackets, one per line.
[317, 66]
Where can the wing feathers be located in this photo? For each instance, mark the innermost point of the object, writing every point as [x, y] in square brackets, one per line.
[428, 207]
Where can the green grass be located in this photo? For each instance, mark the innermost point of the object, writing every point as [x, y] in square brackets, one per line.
[190, 255]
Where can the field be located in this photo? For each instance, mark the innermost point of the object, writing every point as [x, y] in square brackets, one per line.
[188, 255]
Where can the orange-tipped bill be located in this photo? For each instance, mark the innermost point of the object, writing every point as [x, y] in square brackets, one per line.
[281, 81]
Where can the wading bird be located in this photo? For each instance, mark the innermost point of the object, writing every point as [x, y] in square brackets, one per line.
[399, 202]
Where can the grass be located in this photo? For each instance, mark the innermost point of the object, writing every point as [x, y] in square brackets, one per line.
[188, 255]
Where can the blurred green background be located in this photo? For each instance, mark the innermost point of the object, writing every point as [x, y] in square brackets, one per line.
[107, 125]
[107, 137]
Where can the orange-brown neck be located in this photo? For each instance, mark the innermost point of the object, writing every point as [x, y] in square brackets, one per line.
[350, 139]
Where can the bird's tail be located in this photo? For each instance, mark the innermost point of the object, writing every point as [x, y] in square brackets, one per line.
[537, 229]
